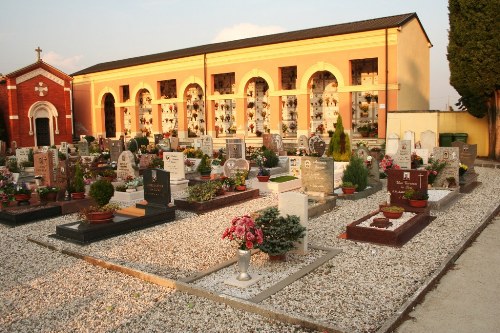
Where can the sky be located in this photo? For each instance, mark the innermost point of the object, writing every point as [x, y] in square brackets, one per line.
[76, 34]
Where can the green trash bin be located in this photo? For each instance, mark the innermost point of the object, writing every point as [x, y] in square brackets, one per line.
[445, 139]
[460, 137]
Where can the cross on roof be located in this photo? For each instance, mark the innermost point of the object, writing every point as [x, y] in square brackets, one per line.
[38, 50]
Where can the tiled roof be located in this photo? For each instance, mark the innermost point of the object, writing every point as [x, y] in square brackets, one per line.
[331, 30]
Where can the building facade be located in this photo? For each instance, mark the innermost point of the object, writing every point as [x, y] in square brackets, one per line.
[36, 106]
[290, 83]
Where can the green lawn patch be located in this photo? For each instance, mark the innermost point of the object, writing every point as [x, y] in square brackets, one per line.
[282, 179]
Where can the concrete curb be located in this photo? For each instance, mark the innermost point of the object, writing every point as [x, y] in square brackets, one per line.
[392, 323]
[234, 302]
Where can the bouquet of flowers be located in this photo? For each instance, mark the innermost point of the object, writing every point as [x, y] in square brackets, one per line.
[244, 232]
[462, 169]
[388, 163]
[434, 167]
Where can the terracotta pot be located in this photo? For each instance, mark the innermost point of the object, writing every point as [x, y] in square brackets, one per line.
[240, 188]
[348, 190]
[78, 195]
[417, 203]
[49, 197]
[392, 215]
[263, 179]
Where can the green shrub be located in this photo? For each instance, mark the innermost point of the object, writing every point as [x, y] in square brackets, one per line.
[205, 165]
[272, 159]
[89, 138]
[356, 173]
[101, 191]
[280, 233]
[77, 184]
[137, 142]
[335, 149]
[203, 192]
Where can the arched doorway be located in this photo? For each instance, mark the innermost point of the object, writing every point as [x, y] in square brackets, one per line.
[324, 101]
[109, 116]
[258, 107]
[43, 123]
[42, 129]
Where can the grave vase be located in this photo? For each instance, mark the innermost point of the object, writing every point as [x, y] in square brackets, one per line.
[243, 264]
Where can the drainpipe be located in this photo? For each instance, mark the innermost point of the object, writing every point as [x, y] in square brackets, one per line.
[71, 110]
[386, 81]
[205, 92]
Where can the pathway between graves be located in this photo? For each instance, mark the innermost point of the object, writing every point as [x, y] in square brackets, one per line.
[466, 299]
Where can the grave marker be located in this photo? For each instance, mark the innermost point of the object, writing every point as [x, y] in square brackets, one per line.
[294, 203]
[146, 160]
[450, 155]
[233, 165]
[207, 145]
[115, 149]
[398, 181]
[22, 155]
[317, 175]
[235, 148]
[83, 148]
[467, 154]
[424, 153]
[410, 135]
[64, 148]
[317, 145]
[303, 143]
[44, 166]
[294, 166]
[126, 166]
[428, 140]
[158, 138]
[156, 190]
[174, 143]
[403, 156]
[173, 162]
[392, 144]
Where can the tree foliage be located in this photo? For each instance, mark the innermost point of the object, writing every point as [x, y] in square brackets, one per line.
[340, 145]
[473, 52]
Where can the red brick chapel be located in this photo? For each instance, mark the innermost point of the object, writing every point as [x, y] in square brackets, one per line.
[35, 102]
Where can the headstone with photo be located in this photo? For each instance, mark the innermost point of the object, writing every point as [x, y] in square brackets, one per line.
[64, 148]
[235, 148]
[173, 162]
[410, 135]
[157, 191]
[392, 144]
[317, 145]
[207, 145]
[44, 166]
[403, 156]
[22, 155]
[233, 165]
[115, 149]
[164, 145]
[317, 175]
[467, 154]
[428, 140]
[398, 181]
[83, 148]
[451, 156]
[174, 143]
[126, 166]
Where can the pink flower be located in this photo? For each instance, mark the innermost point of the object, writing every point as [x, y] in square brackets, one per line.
[250, 236]
[249, 245]
[260, 236]
[240, 231]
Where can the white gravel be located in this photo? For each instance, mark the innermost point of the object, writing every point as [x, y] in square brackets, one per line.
[45, 291]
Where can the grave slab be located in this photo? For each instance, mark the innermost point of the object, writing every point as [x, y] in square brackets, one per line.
[14, 216]
[221, 201]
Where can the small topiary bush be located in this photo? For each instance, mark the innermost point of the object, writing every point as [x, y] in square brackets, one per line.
[340, 144]
[137, 142]
[356, 173]
[101, 191]
[272, 159]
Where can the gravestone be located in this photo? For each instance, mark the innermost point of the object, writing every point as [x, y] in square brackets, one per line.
[22, 155]
[273, 142]
[44, 166]
[450, 155]
[83, 148]
[392, 144]
[157, 191]
[467, 154]
[294, 203]
[362, 152]
[398, 181]
[158, 137]
[317, 145]
[294, 165]
[145, 160]
[303, 143]
[164, 145]
[317, 175]
[428, 140]
[115, 149]
[64, 148]
[174, 143]
[126, 166]
[207, 145]
[173, 162]
[403, 156]
[233, 165]
[424, 153]
[410, 135]
[235, 148]
[61, 175]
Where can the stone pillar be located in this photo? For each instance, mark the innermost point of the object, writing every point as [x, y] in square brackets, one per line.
[119, 121]
[156, 116]
[182, 119]
[210, 118]
[303, 115]
[276, 114]
[241, 116]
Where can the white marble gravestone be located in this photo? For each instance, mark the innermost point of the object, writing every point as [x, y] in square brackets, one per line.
[410, 135]
[126, 166]
[22, 155]
[207, 145]
[294, 203]
[392, 144]
[173, 162]
[428, 140]
[403, 156]
[424, 153]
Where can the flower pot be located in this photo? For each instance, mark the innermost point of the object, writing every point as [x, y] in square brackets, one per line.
[49, 197]
[417, 203]
[22, 199]
[240, 187]
[263, 179]
[99, 217]
[392, 215]
[243, 264]
[78, 195]
[348, 190]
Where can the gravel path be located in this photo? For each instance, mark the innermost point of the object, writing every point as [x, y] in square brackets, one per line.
[45, 291]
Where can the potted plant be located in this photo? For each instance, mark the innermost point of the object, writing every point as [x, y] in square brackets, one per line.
[348, 187]
[239, 180]
[101, 191]
[392, 212]
[416, 198]
[356, 173]
[48, 193]
[462, 169]
[228, 183]
[280, 233]
[77, 184]
[22, 194]
[247, 236]
[263, 175]
[205, 167]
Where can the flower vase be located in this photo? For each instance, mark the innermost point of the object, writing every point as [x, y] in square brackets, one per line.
[243, 264]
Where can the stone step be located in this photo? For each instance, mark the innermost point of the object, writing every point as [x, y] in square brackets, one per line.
[131, 211]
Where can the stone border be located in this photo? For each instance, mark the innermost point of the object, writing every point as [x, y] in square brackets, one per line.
[374, 188]
[179, 285]
[445, 202]
[393, 322]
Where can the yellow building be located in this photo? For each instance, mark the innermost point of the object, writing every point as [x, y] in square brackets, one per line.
[290, 83]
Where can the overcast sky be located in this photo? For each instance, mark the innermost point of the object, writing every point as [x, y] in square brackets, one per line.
[75, 34]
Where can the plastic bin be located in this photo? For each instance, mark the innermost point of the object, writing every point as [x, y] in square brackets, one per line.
[445, 139]
[460, 137]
